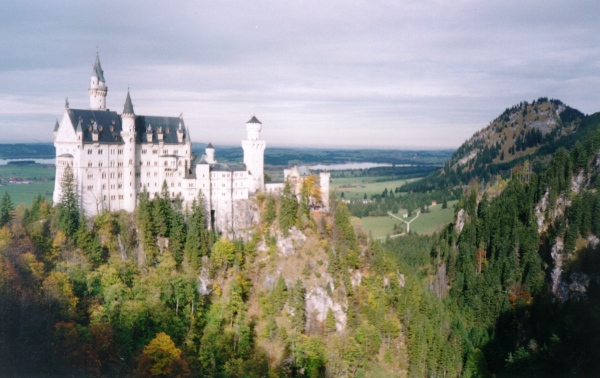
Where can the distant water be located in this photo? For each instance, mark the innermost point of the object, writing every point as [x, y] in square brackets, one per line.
[344, 166]
[39, 161]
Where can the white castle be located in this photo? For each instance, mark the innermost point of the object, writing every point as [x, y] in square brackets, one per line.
[114, 157]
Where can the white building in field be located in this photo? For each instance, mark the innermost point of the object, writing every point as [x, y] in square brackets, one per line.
[114, 157]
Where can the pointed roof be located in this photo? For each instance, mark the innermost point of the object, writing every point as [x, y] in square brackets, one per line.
[97, 70]
[209, 146]
[128, 108]
[254, 120]
[56, 126]
[79, 129]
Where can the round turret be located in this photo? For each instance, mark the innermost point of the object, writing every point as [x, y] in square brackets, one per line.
[253, 128]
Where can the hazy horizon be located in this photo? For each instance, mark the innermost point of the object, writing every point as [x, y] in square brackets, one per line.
[402, 75]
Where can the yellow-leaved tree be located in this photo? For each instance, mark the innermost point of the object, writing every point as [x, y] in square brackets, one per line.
[161, 358]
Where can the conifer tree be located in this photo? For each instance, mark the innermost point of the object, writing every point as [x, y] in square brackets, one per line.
[146, 225]
[270, 211]
[6, 209]
[197, 243]
[298, 306]
[68, 207]
[162, 212]
[288, 209]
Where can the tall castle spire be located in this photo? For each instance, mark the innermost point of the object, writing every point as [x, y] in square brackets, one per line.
[98, 88]
[128, 108]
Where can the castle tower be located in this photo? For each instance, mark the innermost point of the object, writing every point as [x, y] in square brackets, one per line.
[98, 88]
[210, 154]
[128, 135]
[254, 155]
[324, 178]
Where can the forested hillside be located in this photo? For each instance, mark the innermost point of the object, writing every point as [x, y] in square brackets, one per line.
[526, 131]
[509, 288]
[157, 293]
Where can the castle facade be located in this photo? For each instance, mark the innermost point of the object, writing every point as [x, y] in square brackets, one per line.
[114, 157]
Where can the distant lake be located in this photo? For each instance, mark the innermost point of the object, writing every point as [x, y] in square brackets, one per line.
[344, 166]
[39, 161]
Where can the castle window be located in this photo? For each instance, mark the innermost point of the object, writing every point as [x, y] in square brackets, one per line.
[175, 152]
[179, 184]
[100, 152]
[103, 175]
[112, 151]
[89, 151]
[90, 176]
[155, 174]
[90, 187]
[103, 186]
[130, 161]
[112, 198]
[166, 163]
[147, 174]
[120, 164]
[155, 151]
[120, 175]
[155, 163]
[105, 198]
[89, 163]
[112, 186]
[172, 184]
[120, 151]
[143, 151]
[112, 163]
[120, 196]
[120, 186]
[112, 175]
[99, 164]
[148, 163]
[165, 152]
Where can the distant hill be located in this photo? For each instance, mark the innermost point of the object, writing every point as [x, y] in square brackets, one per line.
[27, 150]
[526, 131]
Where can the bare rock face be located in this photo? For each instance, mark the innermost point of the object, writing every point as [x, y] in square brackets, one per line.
[287, 246]
[540, 210]
[317, 304]
[245, 216]
[204, 281]
[460, 221]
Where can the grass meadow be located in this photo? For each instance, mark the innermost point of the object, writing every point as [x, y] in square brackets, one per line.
[358, 186]
[24, 193]
[425, 224]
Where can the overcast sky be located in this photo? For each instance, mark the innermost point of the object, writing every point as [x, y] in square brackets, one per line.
[396, 74]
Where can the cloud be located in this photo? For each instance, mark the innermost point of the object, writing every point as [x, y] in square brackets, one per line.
[357, 73]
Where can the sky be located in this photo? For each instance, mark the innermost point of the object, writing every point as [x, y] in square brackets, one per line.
[350, 74]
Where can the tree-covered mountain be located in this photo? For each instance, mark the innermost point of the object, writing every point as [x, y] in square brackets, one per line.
[526, 131]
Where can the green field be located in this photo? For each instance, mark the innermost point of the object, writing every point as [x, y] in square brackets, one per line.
[358, 186]
[425, 224]
[24, 193]
[27, 172]
[380, 227]
[435, 220]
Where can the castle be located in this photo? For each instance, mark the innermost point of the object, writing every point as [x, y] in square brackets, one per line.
[114, 157]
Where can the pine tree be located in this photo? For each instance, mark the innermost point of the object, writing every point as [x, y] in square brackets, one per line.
[146, 225]
[288, 209]
[197, 243]
[270, 211]
[330, 321]
[298, 306]
[6, 209]
[68, 207]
